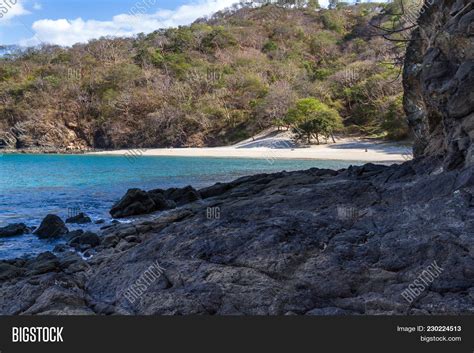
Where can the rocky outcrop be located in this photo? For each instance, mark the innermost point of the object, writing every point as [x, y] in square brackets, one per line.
[139, 202]
[85, 241]
[13, 230]
[439, 82]
[314, 242]
[81, 218]
[51, 227]
[180, 196]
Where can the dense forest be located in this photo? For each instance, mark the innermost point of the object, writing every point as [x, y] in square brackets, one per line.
[215, 82]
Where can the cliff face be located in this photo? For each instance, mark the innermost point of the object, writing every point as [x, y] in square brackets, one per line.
[439, 82]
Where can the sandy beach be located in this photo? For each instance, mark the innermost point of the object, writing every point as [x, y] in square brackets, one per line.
[279, 145]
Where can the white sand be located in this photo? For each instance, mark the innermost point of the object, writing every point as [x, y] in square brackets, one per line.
[273, 145]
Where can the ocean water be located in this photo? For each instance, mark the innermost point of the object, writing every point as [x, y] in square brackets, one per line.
[32, 186]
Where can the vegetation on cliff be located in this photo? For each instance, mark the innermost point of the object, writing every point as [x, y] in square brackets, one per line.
[214, 82]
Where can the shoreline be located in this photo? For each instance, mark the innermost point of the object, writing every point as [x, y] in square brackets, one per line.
[279, 147]
[275, 148]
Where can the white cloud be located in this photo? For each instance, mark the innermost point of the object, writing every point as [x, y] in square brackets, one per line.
[67, 32]
[37, 6]
[10, 9]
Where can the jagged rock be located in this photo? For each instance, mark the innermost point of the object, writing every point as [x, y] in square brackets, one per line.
[439, 83]
[14, 230]
[134, 202]
[51, 227]
[138, 202]
[81, 218]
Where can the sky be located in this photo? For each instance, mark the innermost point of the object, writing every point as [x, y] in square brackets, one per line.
[65, 22]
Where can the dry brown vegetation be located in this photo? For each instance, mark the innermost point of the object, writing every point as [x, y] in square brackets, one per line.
[212, 83]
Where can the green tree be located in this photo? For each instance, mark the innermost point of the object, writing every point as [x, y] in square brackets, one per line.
[310, 117]
[313, 4]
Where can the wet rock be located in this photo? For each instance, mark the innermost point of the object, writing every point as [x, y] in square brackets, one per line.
[86, 240]
[89, 253]
[134, 202]
[51, 227]
[81, 218]
[73, 234]
[13, 230]
[61, 248]
[138, 202]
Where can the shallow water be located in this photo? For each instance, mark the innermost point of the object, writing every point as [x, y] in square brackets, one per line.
[32, 186]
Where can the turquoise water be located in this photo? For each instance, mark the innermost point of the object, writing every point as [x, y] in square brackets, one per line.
[32, 186]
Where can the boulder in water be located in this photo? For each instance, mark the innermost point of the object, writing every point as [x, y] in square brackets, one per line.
[86, 240]
[51, 227]
[13, 230]
[137, 202]
[81, 218]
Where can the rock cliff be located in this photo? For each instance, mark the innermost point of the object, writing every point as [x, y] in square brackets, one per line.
[439, 82]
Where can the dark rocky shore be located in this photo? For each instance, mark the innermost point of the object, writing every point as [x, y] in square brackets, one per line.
[311, 242]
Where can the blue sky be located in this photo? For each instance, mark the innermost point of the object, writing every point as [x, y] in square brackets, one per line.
[65, 22]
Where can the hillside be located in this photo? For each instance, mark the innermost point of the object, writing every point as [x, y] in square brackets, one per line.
[215, 82]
